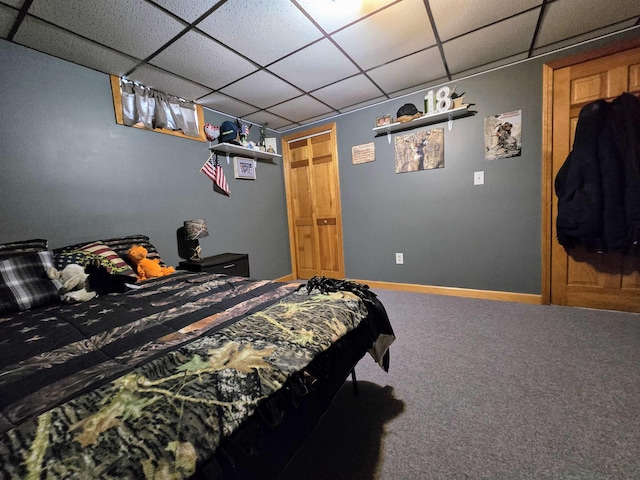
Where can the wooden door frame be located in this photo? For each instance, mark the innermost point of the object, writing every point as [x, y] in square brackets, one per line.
[548, 71]
[330, 127]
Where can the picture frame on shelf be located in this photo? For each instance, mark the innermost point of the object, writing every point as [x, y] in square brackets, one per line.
[383, 120]
[244, 168]
[271, 145]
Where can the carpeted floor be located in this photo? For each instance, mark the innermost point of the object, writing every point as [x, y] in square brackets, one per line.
[480, 389]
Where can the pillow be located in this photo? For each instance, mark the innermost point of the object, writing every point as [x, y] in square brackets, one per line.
[94, 251]
[24, 283]
[121, 246]
[15, 249]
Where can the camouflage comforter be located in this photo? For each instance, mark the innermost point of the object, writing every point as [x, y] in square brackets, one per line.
[147, 384]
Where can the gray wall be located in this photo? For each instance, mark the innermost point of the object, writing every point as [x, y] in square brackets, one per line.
[69, 173]
[451, 232]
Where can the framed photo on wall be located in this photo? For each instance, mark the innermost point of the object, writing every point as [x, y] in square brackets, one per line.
[244, 168]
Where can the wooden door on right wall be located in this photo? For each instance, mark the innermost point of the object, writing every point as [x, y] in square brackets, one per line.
[580, 277]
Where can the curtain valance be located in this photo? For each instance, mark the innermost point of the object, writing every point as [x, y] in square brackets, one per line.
[156, 109]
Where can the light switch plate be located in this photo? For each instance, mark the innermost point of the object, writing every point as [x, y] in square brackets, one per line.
[478, 178]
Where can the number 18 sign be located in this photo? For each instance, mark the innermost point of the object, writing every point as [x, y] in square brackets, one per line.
[441, 100]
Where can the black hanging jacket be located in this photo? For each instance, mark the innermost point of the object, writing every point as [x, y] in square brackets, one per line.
[578, 183]
[598, 187]
[624, 125]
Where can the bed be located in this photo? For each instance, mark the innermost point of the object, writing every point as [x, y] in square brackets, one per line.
[192, 375]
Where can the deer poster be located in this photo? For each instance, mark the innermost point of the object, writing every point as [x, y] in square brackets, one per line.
[421, 150]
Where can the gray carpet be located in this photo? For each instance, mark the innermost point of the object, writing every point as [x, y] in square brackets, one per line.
[481, 389]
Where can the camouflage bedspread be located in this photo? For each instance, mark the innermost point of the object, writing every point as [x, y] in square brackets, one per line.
[148, 383]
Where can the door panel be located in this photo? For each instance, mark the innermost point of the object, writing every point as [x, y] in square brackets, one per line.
[580, 277]
[306, 258]
[329, 249]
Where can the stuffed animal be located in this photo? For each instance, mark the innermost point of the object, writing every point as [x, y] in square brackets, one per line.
[147, 267]
[74, 283]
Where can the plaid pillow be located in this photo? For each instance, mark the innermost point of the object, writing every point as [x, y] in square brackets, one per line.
[15, 249]
[24, 283]
[85, 254]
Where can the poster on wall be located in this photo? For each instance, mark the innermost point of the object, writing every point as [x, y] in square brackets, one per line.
[503, 135]
[421, 150]
[363, 153]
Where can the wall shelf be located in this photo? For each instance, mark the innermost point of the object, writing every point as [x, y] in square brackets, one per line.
[239, 151]
[454, 113]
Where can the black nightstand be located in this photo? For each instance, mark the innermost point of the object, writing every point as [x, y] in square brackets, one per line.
[228, 263]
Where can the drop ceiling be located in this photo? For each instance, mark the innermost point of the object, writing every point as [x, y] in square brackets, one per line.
[290, 63]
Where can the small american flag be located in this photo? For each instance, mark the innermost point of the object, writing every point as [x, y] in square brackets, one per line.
[213, 170]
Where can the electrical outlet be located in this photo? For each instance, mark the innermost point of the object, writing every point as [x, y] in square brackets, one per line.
[399, 258]
[478, 178]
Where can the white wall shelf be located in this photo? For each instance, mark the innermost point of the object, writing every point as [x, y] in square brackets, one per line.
[239, 151]
[454, 113]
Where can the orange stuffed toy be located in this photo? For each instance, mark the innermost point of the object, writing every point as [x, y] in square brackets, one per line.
[147, 267]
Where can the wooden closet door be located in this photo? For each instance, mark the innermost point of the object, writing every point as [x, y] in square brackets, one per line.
[580, 277]
[313, 201]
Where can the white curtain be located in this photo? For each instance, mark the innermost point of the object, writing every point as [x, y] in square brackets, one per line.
[155, 109]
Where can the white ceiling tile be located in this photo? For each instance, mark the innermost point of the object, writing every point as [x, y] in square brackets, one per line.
[455, 17]
[134, 27]
[409, 71]
[501, 40]
[332, 15]
[46, 38]
[491, 65]
[300, 108]
[188, 10]
[399, 30]
[166, 82]
[314, 66]
[317, 119]
[368, 103]
[277, 28]
[7, 17]
[566, 18]
[262, 118]
[203, 60]
[223, 104]
[629, 24]
[262, 89]
[348, 92]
